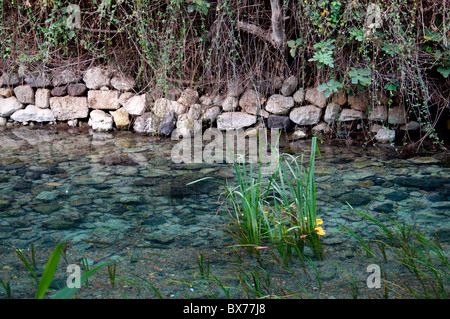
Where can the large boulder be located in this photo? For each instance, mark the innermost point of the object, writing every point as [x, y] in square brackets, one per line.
[279, 104]
[32, 113]
[162, 107]
[136, 105]
[235, 120]
[97, 77]
[25, 94]
[69, 107]
[315, 97]
[100, 121]
[103, 100]
[9, 106]
[306, 115]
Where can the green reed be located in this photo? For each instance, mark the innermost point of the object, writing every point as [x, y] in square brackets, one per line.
[278, 212]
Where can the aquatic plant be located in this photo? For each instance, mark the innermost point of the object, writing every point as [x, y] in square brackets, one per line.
[421, 256]
[278, 213]
[6, 287]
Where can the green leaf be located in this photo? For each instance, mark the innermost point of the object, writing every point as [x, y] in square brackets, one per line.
[444, 71]
[49, 271]
[330, 87]
[360, 76]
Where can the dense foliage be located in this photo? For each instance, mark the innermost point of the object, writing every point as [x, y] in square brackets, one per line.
[400, 47]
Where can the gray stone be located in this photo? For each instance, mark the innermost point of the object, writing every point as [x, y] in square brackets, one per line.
[351, 115]
[289, 85]
[315, 97]
[97, 77]
[100, 121]
[65, 77]
[24, 94]
[3, 121]
[76, 89]
[299, 96]
[322, 127]
[33, 113]
[250, 101]
[297, 135]
[69, 107]
[59, 91]
[147, 123]
[410, 126]
[9, 105]
[235, 120]
[279, 104]
[340, 97]
[37, 81]
[9, 80]
[230, 103]
[306, 115]
[332, 112]
[167, 124]
[48, 195]
[104, 100]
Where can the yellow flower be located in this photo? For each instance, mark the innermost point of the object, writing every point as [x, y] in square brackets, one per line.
[319, 221]
[319, 231]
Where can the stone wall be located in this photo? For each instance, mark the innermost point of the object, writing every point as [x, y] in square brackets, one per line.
[105, 100]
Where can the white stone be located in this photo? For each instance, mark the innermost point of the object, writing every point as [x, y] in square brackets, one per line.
[321, 127]
[188, 97]
[42, 98]
[100, 121]
[162, 107]
[235, 120]
[103, 100]
[32, 113]
[279, 104]
[136, 105]
[69, 107]
[9, 105]
[289, 85]
[6, 92]
[65, 77]
[3, 121]
[97, 77]
[306, 115]
[250, 101]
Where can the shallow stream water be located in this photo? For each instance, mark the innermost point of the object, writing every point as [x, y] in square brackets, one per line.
[121, 195]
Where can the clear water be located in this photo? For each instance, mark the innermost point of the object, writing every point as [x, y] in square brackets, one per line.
[120, 194]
